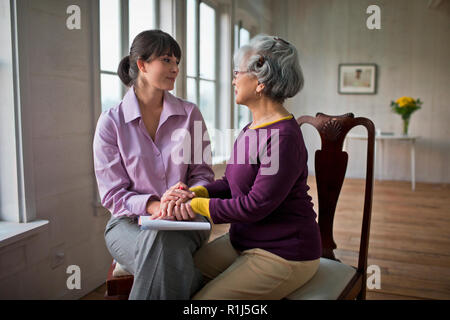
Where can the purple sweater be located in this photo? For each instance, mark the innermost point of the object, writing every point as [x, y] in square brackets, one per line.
[265, 197]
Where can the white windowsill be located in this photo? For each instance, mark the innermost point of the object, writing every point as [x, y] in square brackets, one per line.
[11, 232]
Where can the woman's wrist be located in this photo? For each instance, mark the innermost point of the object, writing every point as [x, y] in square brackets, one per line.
[153, 206]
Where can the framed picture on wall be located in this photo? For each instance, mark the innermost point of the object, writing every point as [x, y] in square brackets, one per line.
[358, 78]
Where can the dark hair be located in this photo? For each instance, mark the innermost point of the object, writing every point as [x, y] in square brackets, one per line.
[146, 46]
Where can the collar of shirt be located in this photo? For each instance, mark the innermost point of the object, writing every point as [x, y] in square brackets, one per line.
[171, 107]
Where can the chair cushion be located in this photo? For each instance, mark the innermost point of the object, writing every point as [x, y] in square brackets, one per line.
[327, 284]
[120, 271]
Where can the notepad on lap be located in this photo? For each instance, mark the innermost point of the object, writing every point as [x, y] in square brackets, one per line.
[198, 224]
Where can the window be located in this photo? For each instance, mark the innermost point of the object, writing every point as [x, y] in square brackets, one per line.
[9, 183]
[201, 46]
[17, 197]
[242, 113]
[110, 52]
[191, 51]
[142, 17]
[120, 22]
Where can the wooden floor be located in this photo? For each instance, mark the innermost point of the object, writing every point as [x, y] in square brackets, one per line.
[409, 237]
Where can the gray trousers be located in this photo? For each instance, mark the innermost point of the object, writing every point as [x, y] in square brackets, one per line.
[161, 261]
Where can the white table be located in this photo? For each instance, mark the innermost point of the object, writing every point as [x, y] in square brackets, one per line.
[381, 139]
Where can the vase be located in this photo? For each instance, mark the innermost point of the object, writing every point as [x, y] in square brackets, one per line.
[405, 126]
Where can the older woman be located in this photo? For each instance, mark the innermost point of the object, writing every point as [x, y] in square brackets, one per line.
[273, 246]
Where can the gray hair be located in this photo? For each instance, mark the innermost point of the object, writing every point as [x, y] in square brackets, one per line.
[275, 63]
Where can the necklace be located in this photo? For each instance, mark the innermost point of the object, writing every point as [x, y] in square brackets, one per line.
[261, 121]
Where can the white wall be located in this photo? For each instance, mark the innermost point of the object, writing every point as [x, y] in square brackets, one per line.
[58, 110]
[255, 15]
[412, 52]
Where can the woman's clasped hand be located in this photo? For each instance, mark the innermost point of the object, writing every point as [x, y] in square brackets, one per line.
[175, 204]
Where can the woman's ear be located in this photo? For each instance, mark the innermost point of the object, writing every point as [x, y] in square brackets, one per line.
[260, 87]
[141, 65]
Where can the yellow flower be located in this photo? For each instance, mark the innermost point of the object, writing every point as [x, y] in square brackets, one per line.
[405, 101]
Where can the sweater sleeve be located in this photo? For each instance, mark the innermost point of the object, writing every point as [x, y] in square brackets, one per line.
[201, 206]
[200, 191]
[219, 189]
[274, 181]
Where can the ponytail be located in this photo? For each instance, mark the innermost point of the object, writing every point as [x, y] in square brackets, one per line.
[124, 71]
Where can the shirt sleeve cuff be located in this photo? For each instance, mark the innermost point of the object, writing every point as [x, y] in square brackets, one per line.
[200, 191]
[137, 204]
[201, 206]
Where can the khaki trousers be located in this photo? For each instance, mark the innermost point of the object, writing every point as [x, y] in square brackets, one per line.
[254, 274]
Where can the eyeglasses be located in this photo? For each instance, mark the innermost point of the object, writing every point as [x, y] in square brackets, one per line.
[237, 72]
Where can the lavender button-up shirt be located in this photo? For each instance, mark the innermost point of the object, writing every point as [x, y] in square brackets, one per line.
[131, 168]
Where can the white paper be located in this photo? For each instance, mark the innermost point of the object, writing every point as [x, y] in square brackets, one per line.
[198, 224]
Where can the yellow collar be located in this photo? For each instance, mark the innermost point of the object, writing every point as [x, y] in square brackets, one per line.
[269, 123]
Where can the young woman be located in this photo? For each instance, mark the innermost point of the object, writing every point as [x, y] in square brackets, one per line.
[134, 170]
[273, 246]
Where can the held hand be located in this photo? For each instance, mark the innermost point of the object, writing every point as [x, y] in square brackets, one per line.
[153, 209]
[180, 190]
[159, 217]
[183, 211]
[175, 193]
[189, 210]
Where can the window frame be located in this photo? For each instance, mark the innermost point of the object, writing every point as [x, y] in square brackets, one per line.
[21, 173]
[124, 37]
[197, 76]
[224, 101]
[238, 26]
[18, 220]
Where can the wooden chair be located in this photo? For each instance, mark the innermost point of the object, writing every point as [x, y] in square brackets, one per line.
[335, 280]
[117, 288]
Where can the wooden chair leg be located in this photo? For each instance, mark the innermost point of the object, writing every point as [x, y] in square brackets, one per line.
[362, 294]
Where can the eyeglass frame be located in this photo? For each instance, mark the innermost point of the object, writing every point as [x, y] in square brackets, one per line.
[238, 72]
